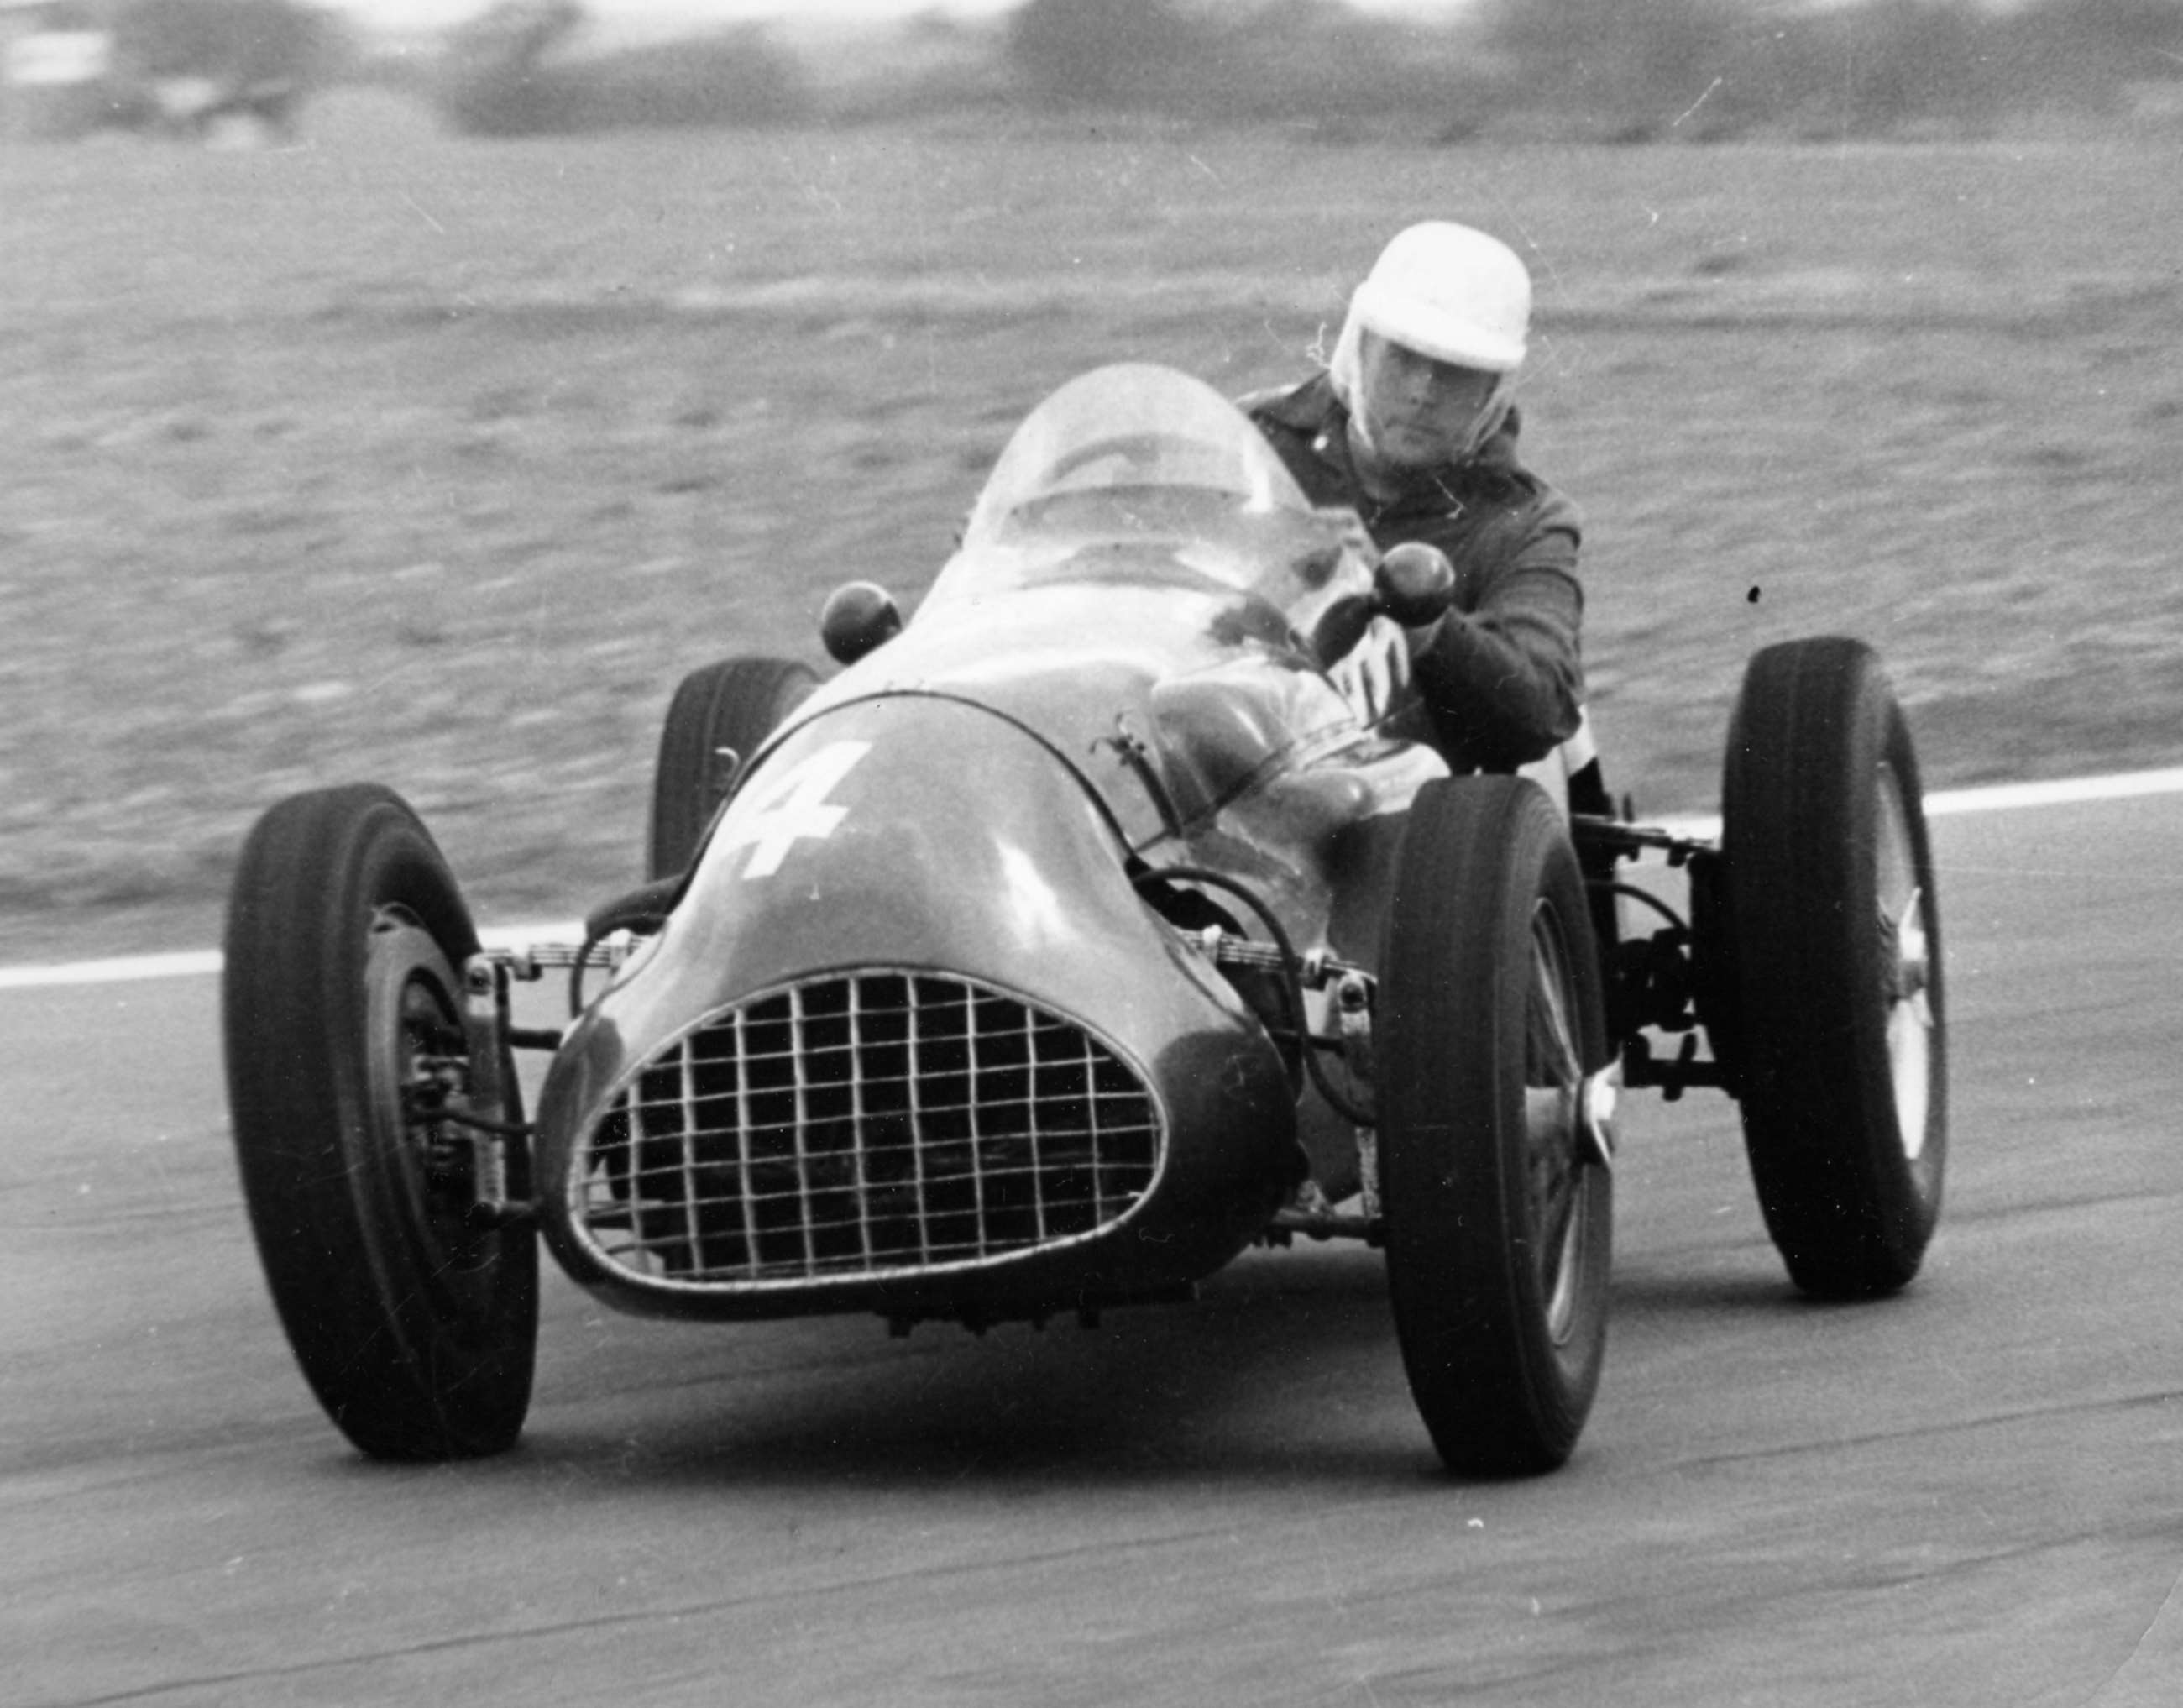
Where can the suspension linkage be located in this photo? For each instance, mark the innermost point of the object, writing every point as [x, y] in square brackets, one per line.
[478, 1123]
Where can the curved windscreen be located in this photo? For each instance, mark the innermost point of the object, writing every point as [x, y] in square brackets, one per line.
[1124, 434]
[1139, 454]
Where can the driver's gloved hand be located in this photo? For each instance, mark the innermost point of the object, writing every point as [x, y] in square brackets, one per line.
[1374, 675]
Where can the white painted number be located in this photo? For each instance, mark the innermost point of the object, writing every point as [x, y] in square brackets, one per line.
[792, 808]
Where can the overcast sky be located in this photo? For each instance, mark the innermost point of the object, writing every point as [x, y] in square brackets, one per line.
[648, 15]
[425, 14]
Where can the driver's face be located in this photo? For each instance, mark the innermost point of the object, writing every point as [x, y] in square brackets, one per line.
[1417, 411]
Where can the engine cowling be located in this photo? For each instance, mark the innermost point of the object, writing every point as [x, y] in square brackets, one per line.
[911, 1041]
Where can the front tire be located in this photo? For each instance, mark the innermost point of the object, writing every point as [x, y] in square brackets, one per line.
[1841, 1024]
[719, 716]
[1498, 1205]
[342, 1010]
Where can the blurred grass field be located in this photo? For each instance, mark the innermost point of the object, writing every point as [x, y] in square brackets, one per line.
[437, 463]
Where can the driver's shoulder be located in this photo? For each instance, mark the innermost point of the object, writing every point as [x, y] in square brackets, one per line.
[1302, 406]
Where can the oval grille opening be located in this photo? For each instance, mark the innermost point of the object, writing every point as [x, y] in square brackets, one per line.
[865, 1124]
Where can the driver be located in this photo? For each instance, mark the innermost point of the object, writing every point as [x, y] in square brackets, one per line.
[1412, 426]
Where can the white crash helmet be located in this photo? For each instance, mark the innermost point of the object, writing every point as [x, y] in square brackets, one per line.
[1449, 292]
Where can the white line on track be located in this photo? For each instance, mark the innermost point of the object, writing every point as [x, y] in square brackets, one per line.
[129, 969]
[2007, 797]
[1996, 798]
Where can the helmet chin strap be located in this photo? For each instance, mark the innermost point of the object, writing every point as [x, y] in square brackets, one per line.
[1491, 415]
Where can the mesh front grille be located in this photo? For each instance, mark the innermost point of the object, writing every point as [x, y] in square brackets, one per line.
[868, 1124]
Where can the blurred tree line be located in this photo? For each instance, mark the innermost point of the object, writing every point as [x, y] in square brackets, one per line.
[177, 65]
[1643, 68]
[234, 41]
[510, 72]
[1625, 69]
[1611, 69]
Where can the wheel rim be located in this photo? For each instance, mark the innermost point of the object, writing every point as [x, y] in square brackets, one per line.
[1905, 965]
[1553, 1079]
[414, 1029]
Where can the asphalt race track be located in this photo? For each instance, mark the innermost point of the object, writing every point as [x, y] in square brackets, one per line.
[1969, 1495]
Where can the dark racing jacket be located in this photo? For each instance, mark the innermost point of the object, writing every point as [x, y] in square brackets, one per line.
[1501, 674]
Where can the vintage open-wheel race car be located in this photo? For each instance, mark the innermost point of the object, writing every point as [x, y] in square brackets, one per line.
[1078, 934]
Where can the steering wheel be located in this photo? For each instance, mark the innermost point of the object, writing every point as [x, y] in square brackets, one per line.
[1136, 450]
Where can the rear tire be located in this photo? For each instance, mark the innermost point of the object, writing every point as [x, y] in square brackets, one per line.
[1840, 1027]
[343, 996]
[1498, 1214]
[722, 709]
